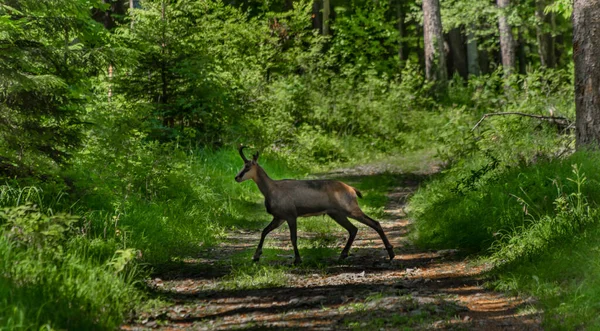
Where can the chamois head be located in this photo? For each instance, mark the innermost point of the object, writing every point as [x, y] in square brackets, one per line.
[249, 169]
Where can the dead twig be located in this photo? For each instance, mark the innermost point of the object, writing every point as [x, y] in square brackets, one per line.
[558, 120]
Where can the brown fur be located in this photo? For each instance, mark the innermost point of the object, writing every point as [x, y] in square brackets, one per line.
[289, 199]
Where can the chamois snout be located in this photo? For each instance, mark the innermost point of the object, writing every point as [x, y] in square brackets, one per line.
[249, 169]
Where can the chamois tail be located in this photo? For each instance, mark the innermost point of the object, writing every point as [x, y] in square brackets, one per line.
[357, 192]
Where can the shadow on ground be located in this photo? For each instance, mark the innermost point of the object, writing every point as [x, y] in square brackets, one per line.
[417, 290]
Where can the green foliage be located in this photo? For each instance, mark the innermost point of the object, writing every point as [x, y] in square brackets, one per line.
[190, 79]
[48, 48]
[51, 276]
[364, 40]
[564, 280]
[27, 226]
[150, 175]
[571, 215]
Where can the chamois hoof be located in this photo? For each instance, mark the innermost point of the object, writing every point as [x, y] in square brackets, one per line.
[297, 261]
[255, 259]
[391, 253]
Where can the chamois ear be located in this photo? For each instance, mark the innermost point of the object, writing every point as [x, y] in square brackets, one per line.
[255, 157]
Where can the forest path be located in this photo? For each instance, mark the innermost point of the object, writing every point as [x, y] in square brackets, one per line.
[417, 290]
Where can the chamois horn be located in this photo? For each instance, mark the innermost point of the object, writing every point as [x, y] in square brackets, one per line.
[241, 150]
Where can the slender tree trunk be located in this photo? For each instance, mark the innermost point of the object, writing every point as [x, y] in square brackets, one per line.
[459, 52]
[401, 16]
[484, 61]
[131, 7]
[544, 34]
[521, 53]
[435, 59]
[472, 55]
[316, 15]
[168, 120]
[326, 12]
[586, 54]
[419, 48]
[507, 42]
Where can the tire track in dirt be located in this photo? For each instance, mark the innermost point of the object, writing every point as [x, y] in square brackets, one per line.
[418, 289]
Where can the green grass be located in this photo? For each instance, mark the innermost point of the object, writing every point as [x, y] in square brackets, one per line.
[537, 223]
[451, 214]
[62, 289]
[564, 280]
[154, 206]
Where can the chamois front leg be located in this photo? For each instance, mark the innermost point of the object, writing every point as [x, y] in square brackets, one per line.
[275, 223]
[293, 236]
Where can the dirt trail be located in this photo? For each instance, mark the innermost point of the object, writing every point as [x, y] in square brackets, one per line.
[417, 290]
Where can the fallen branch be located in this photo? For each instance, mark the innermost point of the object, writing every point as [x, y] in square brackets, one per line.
[558, 120]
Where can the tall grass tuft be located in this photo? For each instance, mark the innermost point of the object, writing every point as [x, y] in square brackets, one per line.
[51, 275]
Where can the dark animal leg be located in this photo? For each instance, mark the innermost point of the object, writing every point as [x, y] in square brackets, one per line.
[275, 223]
[294, 236]
[352, 230]
[364, 219]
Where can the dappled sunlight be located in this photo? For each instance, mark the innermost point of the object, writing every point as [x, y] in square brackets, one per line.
[222, 289]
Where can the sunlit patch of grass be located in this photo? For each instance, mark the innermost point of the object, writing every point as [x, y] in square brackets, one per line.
[564, 280]
[255, 276]
[319, 224]
[388, 310]
[245, 274]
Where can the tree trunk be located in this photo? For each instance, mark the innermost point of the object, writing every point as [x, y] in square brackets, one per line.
[316, 15]
[484, 61]
[521, 53]
[401, 16]
[544, 35]
[507, 42]
[586, 54]
[435, 60]
[326, 12]
[472, 55]
[458, 52]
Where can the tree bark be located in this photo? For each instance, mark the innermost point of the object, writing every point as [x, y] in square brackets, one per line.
[507, 42]
[401, 16]
[544, 35]
[521, 53]
[458, 52]
[586, 55]
[484, 61]
[326, 12]
[472, 55]
[435, 60]
[316, 15]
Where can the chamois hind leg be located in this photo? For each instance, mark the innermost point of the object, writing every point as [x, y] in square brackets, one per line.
[275, 223]
[352, 230]
[294, 236]
[360, 216]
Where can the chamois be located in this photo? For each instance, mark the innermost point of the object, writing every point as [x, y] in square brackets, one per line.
[289, 199]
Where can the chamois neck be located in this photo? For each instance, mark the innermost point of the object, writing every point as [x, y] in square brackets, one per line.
[263, 181]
